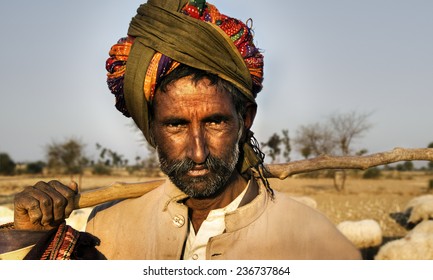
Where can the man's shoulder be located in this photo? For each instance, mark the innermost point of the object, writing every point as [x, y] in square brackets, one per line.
[118, 206]
[283, 199]
[296, 208]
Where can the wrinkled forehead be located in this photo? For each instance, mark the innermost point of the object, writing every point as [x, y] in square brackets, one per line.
[187, 94]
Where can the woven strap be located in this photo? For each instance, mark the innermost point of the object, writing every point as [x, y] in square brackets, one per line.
[62, 245]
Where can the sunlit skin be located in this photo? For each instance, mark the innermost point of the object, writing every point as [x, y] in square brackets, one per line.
[194, 120]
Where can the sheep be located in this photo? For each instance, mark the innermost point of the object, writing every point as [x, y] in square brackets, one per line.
[416, 210]
[416, 245]
[306, 200]
[363, 233]
[6, 215]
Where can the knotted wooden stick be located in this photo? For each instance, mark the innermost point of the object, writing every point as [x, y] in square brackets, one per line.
[114, 192]
[281, 171]
[285, 170]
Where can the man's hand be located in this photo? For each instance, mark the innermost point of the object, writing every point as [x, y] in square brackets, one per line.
[44, 205]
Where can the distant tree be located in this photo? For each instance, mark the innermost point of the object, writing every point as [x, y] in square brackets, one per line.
[347, 127]
[286, 144]
[36, 167]
[314, 140]
[408, 166]
[272, 146]
[66, 157]
[110, 157]
[333, 137]
[306, 152]
[372, 173]
[405, 166]
[151, 162]
[7, 165]
[276, 145]
[361, 152]
[101, 169]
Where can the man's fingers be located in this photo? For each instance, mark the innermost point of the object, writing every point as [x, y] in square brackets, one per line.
[44, 205]
[73, 186]
[63, 199]
[51, 202]
[29, 205]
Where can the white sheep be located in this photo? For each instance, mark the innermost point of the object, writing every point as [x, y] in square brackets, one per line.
[416, 245]
[422, 208]
[416, 210]
[363, 233]
[306, 200]
[6, 215]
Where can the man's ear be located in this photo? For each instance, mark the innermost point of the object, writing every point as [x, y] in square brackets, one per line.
[248, 119]
[249, 115]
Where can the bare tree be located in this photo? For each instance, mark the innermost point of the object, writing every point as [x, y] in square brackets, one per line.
[333, 137]
[314, 140]
[347, 127]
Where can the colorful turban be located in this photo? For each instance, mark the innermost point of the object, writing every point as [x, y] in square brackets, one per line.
[165, 34]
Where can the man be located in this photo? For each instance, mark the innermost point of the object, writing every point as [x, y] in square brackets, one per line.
[188, 76]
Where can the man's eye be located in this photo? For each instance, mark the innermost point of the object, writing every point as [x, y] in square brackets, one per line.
[174, 125]
[215, 123]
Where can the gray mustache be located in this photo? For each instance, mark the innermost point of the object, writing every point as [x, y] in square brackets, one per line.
[180, 167]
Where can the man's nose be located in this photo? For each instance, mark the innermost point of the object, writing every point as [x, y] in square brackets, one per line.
[197, 146]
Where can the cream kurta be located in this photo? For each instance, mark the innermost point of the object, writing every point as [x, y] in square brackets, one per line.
[154, 226]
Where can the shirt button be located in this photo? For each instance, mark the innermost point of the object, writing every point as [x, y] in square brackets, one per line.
[178, 221]
[195, 257]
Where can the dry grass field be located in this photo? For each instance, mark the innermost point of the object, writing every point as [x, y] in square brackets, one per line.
[361, 199]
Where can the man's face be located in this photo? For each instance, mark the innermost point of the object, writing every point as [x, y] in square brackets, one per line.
[196, 130]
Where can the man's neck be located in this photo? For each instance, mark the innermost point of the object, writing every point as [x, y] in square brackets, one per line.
[200, 208]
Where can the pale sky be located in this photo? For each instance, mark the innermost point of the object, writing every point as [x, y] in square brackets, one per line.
[321, 57]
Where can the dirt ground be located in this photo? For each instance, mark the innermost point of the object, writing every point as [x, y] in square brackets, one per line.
[361, 199]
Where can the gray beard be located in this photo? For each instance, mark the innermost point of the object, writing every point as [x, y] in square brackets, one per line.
[203, 186]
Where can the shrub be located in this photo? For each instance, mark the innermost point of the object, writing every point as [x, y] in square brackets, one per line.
[101, 169]
[7, 165]
[35, 167]
[372, 173]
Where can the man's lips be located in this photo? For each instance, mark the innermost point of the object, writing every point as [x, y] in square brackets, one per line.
[198, 170]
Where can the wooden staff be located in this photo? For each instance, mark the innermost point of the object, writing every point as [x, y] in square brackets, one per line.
[281, 171]
[114, 192]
